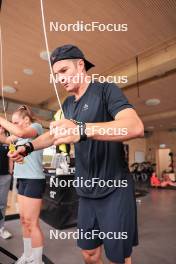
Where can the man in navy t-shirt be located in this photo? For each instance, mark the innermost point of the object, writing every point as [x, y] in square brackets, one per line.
[98, 118]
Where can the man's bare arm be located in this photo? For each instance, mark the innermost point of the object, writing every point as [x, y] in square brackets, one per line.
[44, 141]
[41, 142]
[127, 125]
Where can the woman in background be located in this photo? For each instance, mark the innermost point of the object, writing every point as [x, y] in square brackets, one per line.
[31, 182]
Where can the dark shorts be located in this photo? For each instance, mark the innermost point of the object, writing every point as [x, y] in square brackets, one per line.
[115, 217]
[33, 188]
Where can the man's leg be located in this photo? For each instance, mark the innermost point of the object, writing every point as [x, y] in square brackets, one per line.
[91, 248]
[4, 189]
[93, 256]
[127, 261]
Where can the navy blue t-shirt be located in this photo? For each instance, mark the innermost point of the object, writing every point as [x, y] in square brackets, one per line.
[98, 159]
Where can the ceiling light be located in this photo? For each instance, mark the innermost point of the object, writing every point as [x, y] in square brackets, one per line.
[16, 82]
[9, 89]
[44, 55]
[28, 71]
[162, 145]
[152, 102]
[150, 127]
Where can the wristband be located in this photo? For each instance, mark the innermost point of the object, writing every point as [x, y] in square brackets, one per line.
[82, 129]
[28, 148]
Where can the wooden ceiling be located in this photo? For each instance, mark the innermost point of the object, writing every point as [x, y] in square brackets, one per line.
[150, 23]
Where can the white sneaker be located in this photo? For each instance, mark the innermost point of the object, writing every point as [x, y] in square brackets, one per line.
[23, 260]
[34, 263]
[5, 234]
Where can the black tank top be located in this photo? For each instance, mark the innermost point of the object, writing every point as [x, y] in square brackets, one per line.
[4, 160]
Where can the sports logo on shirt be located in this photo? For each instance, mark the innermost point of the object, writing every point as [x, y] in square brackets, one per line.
[85, 107]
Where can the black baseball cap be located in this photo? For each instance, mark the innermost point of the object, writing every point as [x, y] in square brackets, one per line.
[69, 52]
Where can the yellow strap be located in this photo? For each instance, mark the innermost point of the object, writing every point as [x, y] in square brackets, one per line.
[58, 116]
[12, 148]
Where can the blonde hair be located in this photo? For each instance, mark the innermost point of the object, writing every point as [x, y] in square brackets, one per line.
[24, 110]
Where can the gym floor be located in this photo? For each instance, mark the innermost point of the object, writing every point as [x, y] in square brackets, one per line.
[157, 229]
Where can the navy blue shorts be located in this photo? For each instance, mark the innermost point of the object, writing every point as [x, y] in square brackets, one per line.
[114, 218]
[33, 188]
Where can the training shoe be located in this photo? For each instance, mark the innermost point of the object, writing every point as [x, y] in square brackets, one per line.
[24, 260]
[5, 234]
[34, 263]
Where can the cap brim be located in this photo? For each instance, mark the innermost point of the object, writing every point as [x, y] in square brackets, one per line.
[88, 64]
